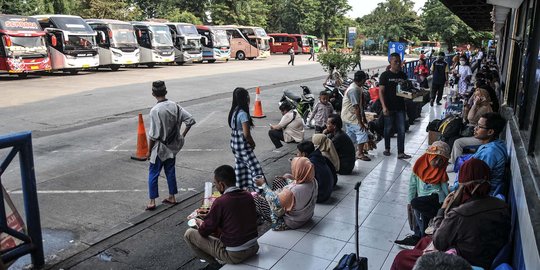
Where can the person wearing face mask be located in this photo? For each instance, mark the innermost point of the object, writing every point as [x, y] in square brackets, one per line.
[439, 69]
[464, 73]
[428, 186]
[229, 231]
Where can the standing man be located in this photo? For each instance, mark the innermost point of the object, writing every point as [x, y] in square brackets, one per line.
[291, 54]
[393, 106]
[229, 231]
[352, 114]
[312, 52]
[165, 141]
[439, 69]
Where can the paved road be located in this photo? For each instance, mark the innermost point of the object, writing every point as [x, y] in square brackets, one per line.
[85, 127]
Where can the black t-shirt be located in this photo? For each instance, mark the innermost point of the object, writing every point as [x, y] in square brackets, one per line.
[439, 71]
[390, 80]
[345, 150]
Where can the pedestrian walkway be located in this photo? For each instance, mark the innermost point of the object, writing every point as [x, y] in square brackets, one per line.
[383, 214]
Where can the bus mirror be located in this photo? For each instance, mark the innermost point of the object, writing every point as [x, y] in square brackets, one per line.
[7, 41]
[110, 33]
[54, 42]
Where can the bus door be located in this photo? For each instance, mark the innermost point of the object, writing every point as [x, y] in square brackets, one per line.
[145, 44]
[56, 41]
[104, 46]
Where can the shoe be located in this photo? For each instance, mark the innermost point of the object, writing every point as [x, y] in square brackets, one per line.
[386, 152]
[403, 156]
[364, 158]
[431, 104]
[438, 104]
[150, 208]
[212, 267]
[409, 240]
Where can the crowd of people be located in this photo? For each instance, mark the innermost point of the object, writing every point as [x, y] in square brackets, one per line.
[453, 219]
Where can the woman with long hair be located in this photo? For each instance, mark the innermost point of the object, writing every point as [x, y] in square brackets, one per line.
[242, 144]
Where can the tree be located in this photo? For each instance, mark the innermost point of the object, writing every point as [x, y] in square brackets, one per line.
[241, 12]
[293, 16]
[330, 12]
[175, 15]
[106, 9]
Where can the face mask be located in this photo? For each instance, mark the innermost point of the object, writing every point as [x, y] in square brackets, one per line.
[462, 63]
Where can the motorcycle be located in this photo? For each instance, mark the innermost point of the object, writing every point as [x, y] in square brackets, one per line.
[303, 103]
[336, 93]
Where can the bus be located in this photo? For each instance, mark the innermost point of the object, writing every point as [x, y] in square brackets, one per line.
[155, 43]
[241, 47]
[336, 43]
[117, 44]
[257, 35]
[303, 43]
[71, 42]
[187, 43]
[216, 45]
[314, 41]
[22, 46]
[281, 42]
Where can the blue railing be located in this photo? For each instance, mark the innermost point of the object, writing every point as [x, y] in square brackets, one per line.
[21, 143]
[411, 65]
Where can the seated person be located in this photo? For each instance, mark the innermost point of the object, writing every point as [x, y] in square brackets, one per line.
[323, 172]
[472, 222]
[323, 144]
[233, 217]
[293, 205]
[289, 129]
[441, 261]
[428, 186]
[479, 104]
[342, 143]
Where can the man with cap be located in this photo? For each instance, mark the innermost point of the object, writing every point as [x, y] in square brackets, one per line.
[165, 141]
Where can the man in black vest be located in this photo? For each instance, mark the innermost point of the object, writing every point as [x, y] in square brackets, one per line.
[439, 69]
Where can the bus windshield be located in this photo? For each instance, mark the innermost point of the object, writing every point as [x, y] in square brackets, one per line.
[161, 36]
[76, 42]
[73, 24]
[188, 30]
[305, 42]
[260, 32]
[264, 44]
[27, 45]
[123, 35]
[220, 38]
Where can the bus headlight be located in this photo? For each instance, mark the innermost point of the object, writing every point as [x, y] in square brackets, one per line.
[117, 54]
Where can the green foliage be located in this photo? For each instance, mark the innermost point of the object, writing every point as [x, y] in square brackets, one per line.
[343, 62]
[240, 12]
[331, 12]
[175, 15]
[106, 9]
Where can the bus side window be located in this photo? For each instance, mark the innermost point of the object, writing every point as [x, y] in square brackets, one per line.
[59, 40]
[144, 39]
[2, 49]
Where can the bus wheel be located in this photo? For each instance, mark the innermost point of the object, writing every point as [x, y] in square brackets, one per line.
[211, 61]
[180, 63]
[251, 58]
[22, 75]
[240, 55]
[115, 67]
[150, 65]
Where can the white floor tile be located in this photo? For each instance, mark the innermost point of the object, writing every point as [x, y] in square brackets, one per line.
[321, 210]
[282, 239]
[395, 198]
[350, 202]
[390, 209]
[238, 267]
[346, 214]
[375, 238]
[319, 246]
[309, 225]
[384, 223]
[375, 256]
[333, 229]
[266, 257]
[388, 262]
[295, 261]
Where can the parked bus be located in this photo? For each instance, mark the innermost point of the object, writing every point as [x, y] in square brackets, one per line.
[241, 46]
[216, 46]
[155, 43]
[71, 42]
[336, 43]
[117, 44]
[303, 43]
[187, 43]
[22, 45]
[258, 36]
[314, 41]
[281, 42]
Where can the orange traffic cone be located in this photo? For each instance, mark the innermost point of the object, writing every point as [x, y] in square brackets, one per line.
[142, 143]
[258, 112]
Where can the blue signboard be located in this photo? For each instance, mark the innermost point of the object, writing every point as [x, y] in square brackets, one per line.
[351, 37]
[396, 47]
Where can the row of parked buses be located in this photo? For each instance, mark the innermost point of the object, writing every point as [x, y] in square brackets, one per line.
[281, 42]
[70, 43]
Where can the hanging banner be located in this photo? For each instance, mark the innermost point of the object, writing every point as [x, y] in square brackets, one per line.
[351, 36]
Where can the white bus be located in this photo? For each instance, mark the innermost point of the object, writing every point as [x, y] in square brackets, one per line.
[187, 43]
[216, 45]
[155, 43]
[258, 36]
[117, 44]
[71, 42]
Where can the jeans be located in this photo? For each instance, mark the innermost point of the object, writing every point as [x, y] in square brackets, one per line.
[153, 175]
[395, 119]
[436, 92]
[276, 136]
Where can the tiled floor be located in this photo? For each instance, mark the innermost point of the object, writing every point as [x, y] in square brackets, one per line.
[383, 199]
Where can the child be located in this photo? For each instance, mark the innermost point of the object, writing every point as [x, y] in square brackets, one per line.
[321, 111]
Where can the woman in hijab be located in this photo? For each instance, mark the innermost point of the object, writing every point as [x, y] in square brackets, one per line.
[473, 223]
[294, 204]
[428, 186]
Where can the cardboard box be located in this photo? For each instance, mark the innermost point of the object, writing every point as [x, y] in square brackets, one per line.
[433, 136]
[409, 95]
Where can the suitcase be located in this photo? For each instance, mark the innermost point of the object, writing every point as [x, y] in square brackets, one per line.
[353, 261]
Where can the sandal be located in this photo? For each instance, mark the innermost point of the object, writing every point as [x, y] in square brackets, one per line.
[166, 201]
[364, 158]
[403, 156]
[150, 208]
[386, 152]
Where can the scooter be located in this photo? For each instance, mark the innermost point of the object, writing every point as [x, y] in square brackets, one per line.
[303, 103]
[336, 93]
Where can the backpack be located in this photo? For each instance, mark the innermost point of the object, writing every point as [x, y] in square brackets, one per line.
[451, 126]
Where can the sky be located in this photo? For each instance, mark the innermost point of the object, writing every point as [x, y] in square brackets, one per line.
[364, 7]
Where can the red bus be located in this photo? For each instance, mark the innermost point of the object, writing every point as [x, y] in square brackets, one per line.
[22, 45]
[281, 42]
[303, 43]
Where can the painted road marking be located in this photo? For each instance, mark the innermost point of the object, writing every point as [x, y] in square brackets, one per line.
[94, 191]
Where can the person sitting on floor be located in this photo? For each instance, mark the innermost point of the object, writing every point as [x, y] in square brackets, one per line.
[323, 170]
[291, 202]
[289, 129]
[342, 143]
[470, 221]
[325, 145]
[428, 186]
[232, 218]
